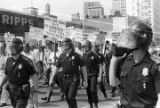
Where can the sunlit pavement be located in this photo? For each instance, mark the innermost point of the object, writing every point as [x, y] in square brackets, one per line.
[81, 99]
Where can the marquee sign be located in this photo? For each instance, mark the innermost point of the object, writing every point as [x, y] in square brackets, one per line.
[18, 23]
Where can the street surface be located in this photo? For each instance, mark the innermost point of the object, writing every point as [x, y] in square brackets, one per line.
[82, 99]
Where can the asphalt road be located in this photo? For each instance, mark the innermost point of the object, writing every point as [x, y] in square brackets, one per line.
[81, 99]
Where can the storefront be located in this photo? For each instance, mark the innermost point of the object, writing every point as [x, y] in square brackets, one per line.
[18, 23]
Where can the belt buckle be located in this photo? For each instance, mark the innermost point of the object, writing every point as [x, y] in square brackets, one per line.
[65, 76]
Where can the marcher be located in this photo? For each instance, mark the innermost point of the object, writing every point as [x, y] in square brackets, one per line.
[33, 100]
[107, 58]
[101, 58]
[70, 62]
[92, 63]
[3, 58]
[52, 61]
[46, 60]
[18, 70]
[139, 75]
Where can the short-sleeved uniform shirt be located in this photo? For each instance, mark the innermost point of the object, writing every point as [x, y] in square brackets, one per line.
[92, 61]
[70, 64]
[19, 71]
[140, 82]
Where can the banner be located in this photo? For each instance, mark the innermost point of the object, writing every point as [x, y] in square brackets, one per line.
[34, 34]
[100, 39]
[76, 35]
[54, 28]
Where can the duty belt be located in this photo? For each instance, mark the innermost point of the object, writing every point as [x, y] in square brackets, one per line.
[69, 75]
[17, 86]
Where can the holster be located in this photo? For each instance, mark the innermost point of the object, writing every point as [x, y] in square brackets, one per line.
[19, 92]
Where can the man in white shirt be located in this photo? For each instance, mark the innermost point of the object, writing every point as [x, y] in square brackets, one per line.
[34, 56]
[54, 54]
[3, 58]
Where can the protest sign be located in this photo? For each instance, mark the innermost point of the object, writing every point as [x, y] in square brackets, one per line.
[100, 39]
[35, 33]
[54, 28]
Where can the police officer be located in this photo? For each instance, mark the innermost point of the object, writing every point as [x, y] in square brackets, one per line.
[100, 79]
[139, 75]
[70, 62]
[17, 72]
[92, 62]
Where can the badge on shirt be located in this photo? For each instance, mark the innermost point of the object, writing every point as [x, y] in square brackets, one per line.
[145, 72]
[92, 57]
[73, 57]
[20, 66]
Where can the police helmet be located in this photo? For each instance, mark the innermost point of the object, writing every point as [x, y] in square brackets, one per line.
[67, 42]
[95, 47]
[143, 33]
[17, 44]
[87, 43]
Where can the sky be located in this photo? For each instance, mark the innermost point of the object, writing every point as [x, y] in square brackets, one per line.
[62, 8]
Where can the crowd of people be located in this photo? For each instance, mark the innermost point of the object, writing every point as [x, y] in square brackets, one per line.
[73, 65]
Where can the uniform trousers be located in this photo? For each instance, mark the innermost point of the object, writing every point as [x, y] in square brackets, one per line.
[102, 87]
[92, 89]
[19, 95]
[70, 87]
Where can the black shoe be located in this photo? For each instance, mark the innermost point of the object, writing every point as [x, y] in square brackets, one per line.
[3, 104]
[44, 98]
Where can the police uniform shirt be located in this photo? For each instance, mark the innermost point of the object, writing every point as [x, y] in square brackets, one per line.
[92, 61]
[70, 64]
[19, 71]
[140, 82]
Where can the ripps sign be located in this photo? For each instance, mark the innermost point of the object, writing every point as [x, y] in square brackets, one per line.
[18, 23]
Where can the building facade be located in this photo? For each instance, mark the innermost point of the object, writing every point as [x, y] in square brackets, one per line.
[115, 7]
[123, 7]
[119, 7]
[93, 9]
[140, 8]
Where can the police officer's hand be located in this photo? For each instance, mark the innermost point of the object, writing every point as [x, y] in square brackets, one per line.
[51, 83]
[99, 79]
[104, 74]
[118, 58]
[85, 84]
